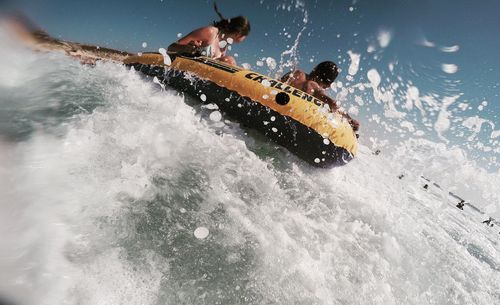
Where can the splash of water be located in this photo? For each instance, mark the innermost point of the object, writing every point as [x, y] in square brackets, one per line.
[109, 181]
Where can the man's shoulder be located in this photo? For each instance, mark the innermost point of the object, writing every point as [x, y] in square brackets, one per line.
[299, 72]
[298, 75]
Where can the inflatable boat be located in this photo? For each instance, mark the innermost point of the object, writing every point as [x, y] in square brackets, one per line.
[286, 115]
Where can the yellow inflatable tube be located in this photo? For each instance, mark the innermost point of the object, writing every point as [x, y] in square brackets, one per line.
[287, 115]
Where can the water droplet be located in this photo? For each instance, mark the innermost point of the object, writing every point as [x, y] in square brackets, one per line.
[201, 232]
[215, 116]
[222, 44]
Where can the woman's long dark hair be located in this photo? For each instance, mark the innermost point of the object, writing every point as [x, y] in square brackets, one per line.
[236, 25]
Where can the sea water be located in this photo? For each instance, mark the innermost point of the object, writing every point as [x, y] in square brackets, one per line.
[116, 191]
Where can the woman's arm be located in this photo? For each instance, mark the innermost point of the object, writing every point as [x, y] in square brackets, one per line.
[194, 41]
[177, 48]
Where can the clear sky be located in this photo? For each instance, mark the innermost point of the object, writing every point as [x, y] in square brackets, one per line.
[423, 34]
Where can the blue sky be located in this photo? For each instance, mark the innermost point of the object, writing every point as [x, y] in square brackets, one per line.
[332, 29]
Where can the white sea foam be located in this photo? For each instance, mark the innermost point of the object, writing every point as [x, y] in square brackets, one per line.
[222, 44]
[166, 58]
[374, 78]
[426, 43]
[449, 68]
[201, 232]
[443, 123]
[215, 116]
[384, 38]
[354, 65]
[271, 63]
[451, 49]
[100, 204]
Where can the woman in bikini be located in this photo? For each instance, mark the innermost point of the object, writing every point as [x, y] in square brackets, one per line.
[213, 40]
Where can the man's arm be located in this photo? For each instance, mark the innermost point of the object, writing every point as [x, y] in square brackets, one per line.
[315, 90]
